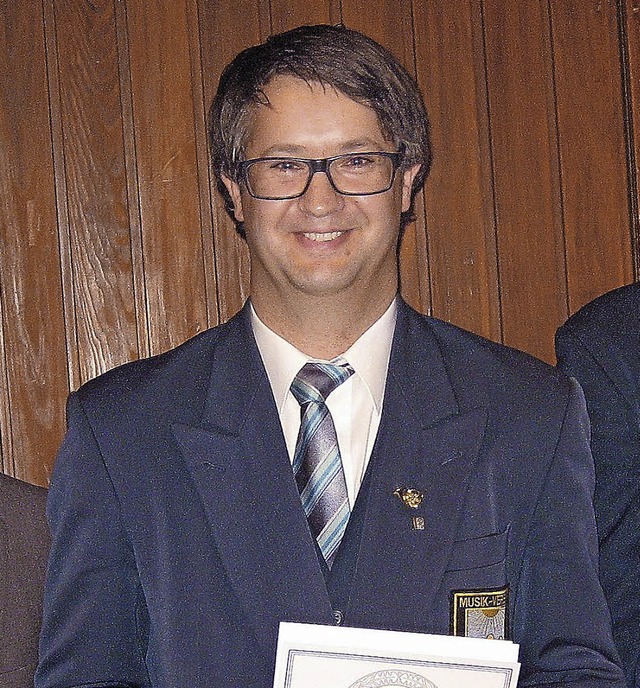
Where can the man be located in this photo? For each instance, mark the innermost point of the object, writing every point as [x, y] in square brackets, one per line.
[329, 455]
[600, 347]
[24, 546]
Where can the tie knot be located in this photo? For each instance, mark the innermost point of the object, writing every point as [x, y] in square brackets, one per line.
[315, 381]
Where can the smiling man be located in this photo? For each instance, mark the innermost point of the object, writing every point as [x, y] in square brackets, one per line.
[329, 455]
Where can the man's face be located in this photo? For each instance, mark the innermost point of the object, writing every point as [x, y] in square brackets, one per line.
[321, 243]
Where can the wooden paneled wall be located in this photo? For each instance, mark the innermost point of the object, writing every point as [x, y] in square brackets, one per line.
[114, 246]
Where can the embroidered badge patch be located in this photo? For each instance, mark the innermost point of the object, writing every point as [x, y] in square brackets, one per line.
[480, 613]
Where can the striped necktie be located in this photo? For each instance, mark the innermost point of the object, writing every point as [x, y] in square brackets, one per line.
[317, 464]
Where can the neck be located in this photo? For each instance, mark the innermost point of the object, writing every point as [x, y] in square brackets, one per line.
[322, 327]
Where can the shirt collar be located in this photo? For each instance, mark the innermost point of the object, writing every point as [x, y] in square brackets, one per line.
[368, 355]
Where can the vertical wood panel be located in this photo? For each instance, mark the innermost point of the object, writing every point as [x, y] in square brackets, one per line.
[592, 147]
[60, 180]
[459, 195]
[95, 182]
[167, 169]
[205, 188]
[391, 24]
[524, 149]
[630, 18]
[132, 187]
[220, 42]
[287, 14]
[33, 368]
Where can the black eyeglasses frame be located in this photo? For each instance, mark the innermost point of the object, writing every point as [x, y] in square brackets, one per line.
[319, 165]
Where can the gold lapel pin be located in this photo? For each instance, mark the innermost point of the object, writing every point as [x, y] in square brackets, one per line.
[409, 496]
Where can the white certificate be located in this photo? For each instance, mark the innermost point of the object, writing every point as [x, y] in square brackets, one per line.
[313, 656]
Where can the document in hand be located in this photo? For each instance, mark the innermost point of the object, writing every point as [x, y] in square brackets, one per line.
[313, 656]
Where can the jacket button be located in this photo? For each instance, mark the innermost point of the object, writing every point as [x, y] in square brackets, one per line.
[338, 616]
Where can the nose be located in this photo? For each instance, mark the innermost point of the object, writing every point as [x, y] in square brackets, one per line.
[321, 198]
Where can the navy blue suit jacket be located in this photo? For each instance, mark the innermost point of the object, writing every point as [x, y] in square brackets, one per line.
[600, 346]
[180, 542]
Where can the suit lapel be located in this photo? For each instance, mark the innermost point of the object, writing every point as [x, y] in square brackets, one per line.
[428, 443]
[239, 463]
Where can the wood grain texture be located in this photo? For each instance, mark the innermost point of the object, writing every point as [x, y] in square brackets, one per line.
[220, 42]
[459, 193]
[287, 14]
[132, 187]
[167, 170]
[591, 123]
[61, 207]
[33, 357]
[96, 185]
[205, 181]
[524, 153]
[630, 35]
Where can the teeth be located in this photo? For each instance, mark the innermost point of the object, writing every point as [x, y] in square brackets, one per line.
[324, 236]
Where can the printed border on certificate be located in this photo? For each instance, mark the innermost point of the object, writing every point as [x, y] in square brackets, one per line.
[321, 669]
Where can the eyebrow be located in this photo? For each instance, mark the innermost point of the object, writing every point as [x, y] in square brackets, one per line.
[351, 146]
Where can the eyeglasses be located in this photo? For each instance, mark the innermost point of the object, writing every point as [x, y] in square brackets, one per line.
[351, 174]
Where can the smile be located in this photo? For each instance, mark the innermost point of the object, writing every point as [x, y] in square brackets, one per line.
[322, 236]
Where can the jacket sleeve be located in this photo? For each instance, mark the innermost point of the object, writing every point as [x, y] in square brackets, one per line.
[614, 412]
[94, 625]
[560, 608]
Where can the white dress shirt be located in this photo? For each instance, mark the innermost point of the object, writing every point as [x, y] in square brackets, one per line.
[356, 405]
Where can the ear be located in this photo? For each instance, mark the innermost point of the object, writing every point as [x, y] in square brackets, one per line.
[407, 185]
[234, 191]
